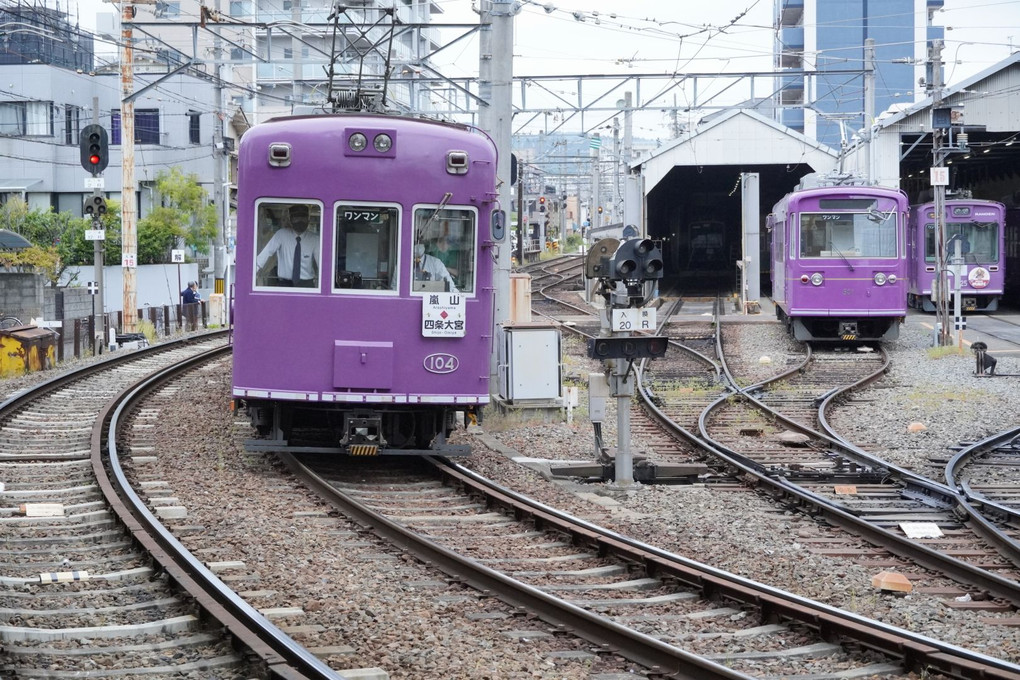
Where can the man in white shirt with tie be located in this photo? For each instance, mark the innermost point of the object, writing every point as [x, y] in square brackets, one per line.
[430, 268]
[297, 252]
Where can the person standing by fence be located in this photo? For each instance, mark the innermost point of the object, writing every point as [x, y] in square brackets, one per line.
[192, 302]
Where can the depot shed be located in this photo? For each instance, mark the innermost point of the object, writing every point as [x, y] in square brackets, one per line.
[693, 197]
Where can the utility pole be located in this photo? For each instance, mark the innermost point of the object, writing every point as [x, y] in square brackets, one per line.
[495, 80]
[632, 198]
[939, 182]
[869, 106]
[129, 233]
[595, 217]
[617, 198]
[220, 158]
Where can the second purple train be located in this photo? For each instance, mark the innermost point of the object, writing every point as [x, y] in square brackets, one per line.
[839, 264]
[975, 253]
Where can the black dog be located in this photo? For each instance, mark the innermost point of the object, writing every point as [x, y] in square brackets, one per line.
[985, 361]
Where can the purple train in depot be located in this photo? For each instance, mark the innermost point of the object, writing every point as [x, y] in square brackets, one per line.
[839, 261]
[979, 228]
[371, 334]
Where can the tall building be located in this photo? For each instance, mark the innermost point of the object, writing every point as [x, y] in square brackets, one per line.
[828, 37]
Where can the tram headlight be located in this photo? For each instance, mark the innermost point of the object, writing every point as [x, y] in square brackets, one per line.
[880, 279]
[817, 278]
[891, 278]
[357, 142]
[382, 143]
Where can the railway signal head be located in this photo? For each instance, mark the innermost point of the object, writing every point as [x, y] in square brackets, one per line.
[95, 207]
[637, 259]
[541, 204]
[631, 347]
[95, 149]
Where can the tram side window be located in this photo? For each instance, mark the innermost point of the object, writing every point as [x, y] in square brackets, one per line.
[366, 247]
[447, 235]
[287, 242]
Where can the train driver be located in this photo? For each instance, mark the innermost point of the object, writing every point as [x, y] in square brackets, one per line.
[297, 258]
[430, 268]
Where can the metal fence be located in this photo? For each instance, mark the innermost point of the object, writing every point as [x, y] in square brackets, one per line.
[89, 335]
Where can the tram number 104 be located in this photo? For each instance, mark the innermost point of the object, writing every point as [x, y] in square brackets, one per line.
[441, 363]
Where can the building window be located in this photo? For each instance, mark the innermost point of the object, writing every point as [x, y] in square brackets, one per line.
[146, 127]
[72, 124]
[26, 119]
[194, 130]
[288, 53]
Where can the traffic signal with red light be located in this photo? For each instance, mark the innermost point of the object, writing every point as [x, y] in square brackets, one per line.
[636, 259]
[541, 204]
[95, 150]
[632, 347]
[600, 210]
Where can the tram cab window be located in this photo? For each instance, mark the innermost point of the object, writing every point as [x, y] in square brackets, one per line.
[847, 235]
[979, 241]
[448, 235]
[366, 247]
[287, 242]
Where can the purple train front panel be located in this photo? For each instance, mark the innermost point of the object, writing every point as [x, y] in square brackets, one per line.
[388, 301]
[978, 227]
[839, 262]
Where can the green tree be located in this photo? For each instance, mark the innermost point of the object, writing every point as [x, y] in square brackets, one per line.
[53, 235]
[185, 214]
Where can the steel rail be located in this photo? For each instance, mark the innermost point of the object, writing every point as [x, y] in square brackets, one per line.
[283, 657]
[636, 646]
[836, 515]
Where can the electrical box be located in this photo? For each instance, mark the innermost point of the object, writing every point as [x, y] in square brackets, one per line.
[529, 362]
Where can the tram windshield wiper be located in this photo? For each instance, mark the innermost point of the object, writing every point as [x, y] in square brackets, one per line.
[879, 216]
[836, 250]
[425, 230]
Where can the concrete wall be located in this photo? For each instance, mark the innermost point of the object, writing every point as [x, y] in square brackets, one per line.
[21, 294]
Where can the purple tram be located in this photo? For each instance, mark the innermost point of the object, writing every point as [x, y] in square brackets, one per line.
[979, 228]
[363, 302]
[839, 260]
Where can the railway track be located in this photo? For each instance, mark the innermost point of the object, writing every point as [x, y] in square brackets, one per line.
[93, 586]
[676, 617]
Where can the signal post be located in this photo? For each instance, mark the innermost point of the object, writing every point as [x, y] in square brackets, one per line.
[94, 148]
[625, 272]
